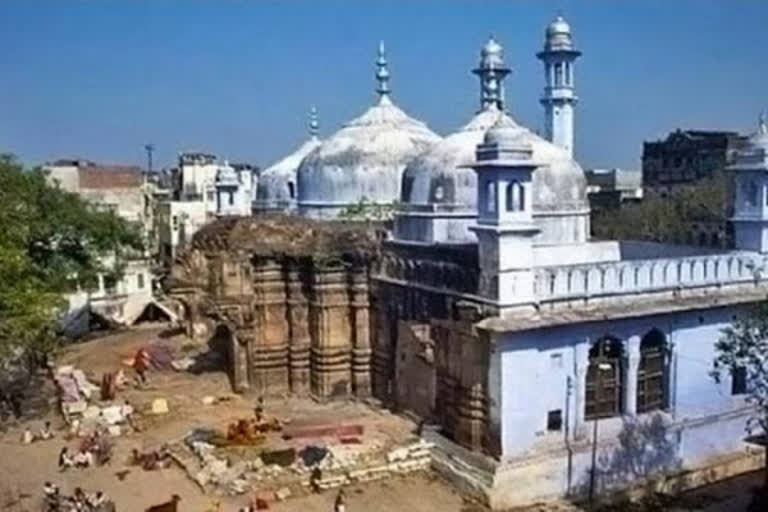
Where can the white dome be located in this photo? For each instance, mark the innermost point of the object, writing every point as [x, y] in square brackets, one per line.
[363, 160]
[558, 186]
[440, 180]
[278, 181]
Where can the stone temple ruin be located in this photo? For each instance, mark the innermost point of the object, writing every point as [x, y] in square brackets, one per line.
[333, 310]
[288, 298]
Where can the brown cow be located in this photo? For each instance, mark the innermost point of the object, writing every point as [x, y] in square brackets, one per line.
[171, 506]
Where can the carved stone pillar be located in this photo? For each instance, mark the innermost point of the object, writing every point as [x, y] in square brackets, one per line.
[269, 351]
[630, 376]
[361, 353]
[238, 346]
[581, 364]
[471, 417]
[298, 326]
[383, 350]
[331, 334]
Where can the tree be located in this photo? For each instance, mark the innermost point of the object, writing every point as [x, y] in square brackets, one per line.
[666, 219]
[51, 243]
[743, 350]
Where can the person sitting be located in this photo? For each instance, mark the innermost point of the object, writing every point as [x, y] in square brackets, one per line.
[83, 459]
[80, 500]
[96, 500]
[46, 432]
[65, 461]
[27, 437]
[49, 489]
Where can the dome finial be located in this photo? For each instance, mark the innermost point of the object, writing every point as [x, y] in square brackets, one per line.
[382, 73]
[313, 122]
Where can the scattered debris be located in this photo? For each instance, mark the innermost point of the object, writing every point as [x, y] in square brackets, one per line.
[208, 400]
[159, 406]
[282, 494]
[183, 364]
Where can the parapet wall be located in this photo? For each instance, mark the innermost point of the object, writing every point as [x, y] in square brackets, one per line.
[645, 275]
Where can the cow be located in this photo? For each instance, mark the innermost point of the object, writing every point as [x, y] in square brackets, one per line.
[170, 506]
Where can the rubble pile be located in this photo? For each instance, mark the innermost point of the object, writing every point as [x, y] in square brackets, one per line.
[84, 417]
[314, 466]
[399, 461]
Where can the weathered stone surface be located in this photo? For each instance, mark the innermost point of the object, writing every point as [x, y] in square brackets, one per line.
[288, 299]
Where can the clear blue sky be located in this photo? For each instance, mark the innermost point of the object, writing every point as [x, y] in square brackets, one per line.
[101, 79]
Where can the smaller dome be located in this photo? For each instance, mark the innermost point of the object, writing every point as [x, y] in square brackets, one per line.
[502, 133]
[558, 36]
[558, 27]
[492, 54]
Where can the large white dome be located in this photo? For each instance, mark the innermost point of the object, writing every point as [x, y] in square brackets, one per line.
[365, 159]
[441, 181]
[362, 161]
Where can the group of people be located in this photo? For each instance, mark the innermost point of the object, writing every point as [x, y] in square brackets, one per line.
[95, 449]
[44, 434]
[55, 501]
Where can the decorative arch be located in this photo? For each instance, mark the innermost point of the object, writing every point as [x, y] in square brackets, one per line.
[490, 197]
[515, 197]
[604, 380]
[652, 372]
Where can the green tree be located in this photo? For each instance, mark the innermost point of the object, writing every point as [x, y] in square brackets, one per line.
[51, 242]
[668, 219]
[743, 349]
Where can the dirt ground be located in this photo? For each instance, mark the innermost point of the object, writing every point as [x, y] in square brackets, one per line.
[24, 468]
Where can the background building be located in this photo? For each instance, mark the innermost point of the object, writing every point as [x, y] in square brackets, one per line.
[687, 157]
[124, 190]
[610, 188]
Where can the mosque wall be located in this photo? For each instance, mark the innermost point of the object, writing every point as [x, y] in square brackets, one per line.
[542, 375]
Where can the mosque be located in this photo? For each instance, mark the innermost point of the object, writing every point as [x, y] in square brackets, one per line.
[543, 364]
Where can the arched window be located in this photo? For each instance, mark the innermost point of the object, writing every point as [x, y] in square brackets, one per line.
[291, 190]
[558, 74]
[651, 373]
[604, 379]
[491, 196]
[515, 197]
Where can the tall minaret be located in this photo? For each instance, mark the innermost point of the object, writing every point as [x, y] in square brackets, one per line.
[559, 99]
[491, 72]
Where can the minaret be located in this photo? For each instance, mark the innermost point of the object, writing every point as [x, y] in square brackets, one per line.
[559, 99]
[313, 123]
[491, 72]
[750, 206]
[505, 227]
[382, 75]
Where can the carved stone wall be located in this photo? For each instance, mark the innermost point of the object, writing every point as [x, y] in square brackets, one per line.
[295, 312]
